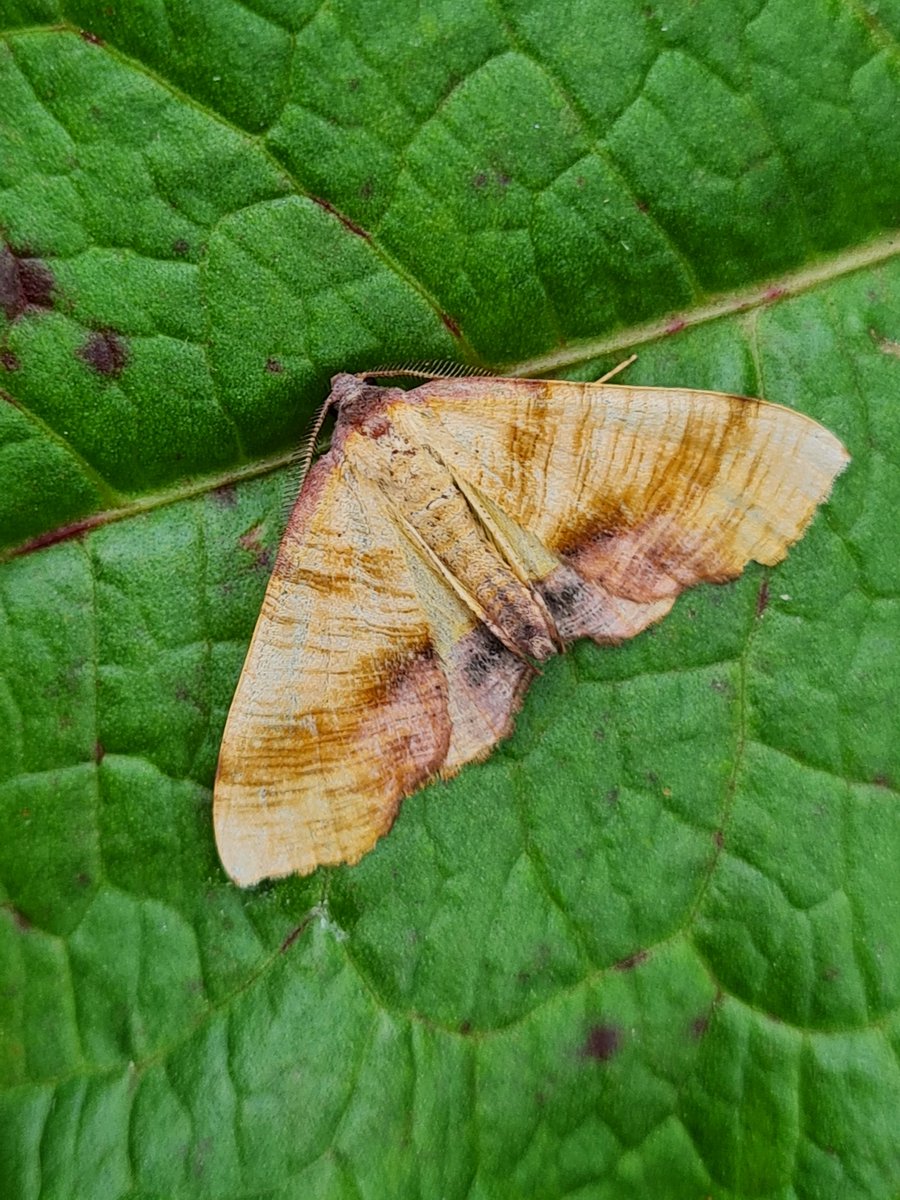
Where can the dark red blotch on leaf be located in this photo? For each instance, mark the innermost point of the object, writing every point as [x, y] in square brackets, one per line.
[25, 283]
[602, 1042]
[104, 352]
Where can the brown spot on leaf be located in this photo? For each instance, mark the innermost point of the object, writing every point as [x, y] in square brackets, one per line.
[602, 1043]
[274, 366]
[451, 324]
[99, 752]
[465, 1028]
[225, 496]
[93, 39]
[367, 190]
[675, 326]
[345, 221]
[180, 247]
[9, 361]
[26, 283]
[62, 533]
[251, 540]
[632, 961]
[19, 919]
[762, 597]
[480, 180]
[104, 352]
[719, 839]
[293, 935]
[699, 1026]
[882, 780]
[885, 344]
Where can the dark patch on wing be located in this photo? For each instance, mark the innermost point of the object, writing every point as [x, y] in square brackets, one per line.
[484, 655]
[104, 352]
[600, 527]
[563, 596]
[26, 283]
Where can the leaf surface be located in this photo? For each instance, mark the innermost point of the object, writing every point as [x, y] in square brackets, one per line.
[651, 947]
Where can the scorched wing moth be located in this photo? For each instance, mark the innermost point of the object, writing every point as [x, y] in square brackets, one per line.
[453, 537]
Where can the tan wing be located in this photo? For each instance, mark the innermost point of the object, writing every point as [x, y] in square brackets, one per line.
[366, 675]
[637, 492]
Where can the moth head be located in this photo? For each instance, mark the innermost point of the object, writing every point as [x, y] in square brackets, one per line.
[360, 405]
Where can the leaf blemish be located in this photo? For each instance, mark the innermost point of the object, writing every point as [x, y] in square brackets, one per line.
[274, 366]
[19, 919]
[345, 221]
[451, 325]
[225, 496]
[602, 1043]
[632, 961]
[26, 283]
[762, 597]
[104, 352]
[9, 361]
[294, 934]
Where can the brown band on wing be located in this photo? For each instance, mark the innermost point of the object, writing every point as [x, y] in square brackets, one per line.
[270, 821]
[487, 683]
[405, 722]
[582, 607]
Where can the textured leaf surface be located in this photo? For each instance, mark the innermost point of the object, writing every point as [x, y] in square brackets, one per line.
[652, 946]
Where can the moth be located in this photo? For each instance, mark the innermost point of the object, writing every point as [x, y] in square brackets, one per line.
[455, 536]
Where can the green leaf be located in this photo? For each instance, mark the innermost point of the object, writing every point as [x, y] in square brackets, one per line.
[652, 946]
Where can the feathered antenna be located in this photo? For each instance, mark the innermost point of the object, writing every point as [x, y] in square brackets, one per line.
[302, 458]
[425, 370]
[307, 447]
